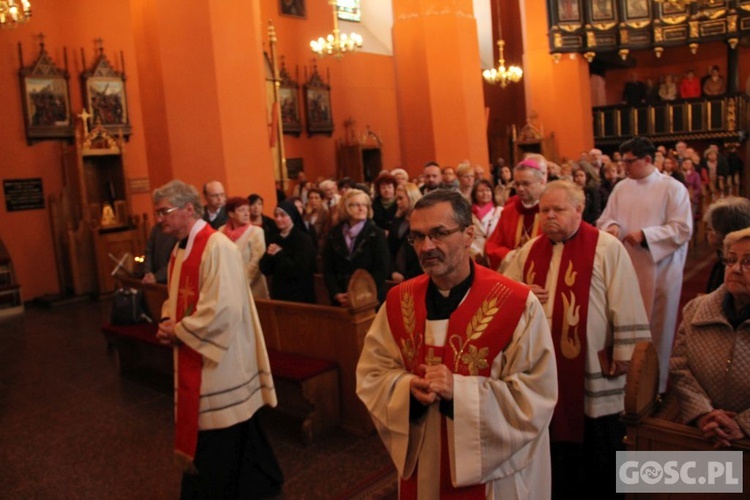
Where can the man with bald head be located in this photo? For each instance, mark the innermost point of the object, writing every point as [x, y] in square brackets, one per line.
[214, 212]
[584, 279]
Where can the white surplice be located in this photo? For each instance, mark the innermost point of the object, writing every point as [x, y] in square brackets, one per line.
[616, 317]
[659, 206]
[499, 432]
[225, 330]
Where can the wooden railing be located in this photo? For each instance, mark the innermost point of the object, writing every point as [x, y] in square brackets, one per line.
[721, 118]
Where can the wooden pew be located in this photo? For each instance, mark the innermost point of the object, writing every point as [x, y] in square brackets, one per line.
[313, 351]
[331, 333]
[651, 424]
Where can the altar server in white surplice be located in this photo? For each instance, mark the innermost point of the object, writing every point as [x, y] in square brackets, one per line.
[584, 279]
[458, 370]
[222, 373]
[651, 214]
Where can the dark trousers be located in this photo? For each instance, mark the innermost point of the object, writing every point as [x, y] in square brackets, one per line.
[235, 462]
[588, 469]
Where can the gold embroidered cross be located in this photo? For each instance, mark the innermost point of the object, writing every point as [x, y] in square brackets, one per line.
[431, 359]
[186, 293]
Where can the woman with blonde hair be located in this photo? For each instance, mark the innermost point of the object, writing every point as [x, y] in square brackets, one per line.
[354, 243]
[466, 178]
[404, 260]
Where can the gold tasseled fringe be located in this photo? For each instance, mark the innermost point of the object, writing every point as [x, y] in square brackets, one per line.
[185, 462]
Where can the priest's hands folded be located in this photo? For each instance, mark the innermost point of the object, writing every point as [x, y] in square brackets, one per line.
[436, 384]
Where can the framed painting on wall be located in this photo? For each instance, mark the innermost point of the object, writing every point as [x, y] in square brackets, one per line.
[104, 96]
[46, 98]
[289, 102]
[293, 8]
[318, 105]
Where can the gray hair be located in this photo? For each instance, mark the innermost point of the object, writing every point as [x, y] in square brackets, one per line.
[460, 205]
[573, 191]
[179, 194]
[734, 237]
[727, 215]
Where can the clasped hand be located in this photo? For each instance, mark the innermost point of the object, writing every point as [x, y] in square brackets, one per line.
[431, 384]
[720, 427]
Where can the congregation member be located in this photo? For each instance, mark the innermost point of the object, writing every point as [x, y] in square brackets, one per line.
[290, 258]
[690, 86]
[222, 373]
[250, 240]
[450, 180]
[607, 182]
[331, 195]
[709, 368]
[214, 212]
[404, 261]
[156, 257]
[316, 215]
[384, 203]
[715, 171]
[484, 207]
[714, 85]
[694, 185]
[466, 179]
[432, 177]
[586, 177]
[519, 221]
[670, 168]
[259, 219]
[458, 370]
[583, 278]
[656, 236]
[355, 243]
[505, 189]
[727, 215]
[400, 175]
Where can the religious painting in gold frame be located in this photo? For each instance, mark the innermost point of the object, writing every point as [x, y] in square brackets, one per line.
[104, 95]
[602, 10]
[568, 11]
[289, 102]
[636, 9]
[46, 98]
[318, 114]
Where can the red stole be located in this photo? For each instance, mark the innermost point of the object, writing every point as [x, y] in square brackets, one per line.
[189, 362]
[569, 320]
[478, 330]
[516, 226]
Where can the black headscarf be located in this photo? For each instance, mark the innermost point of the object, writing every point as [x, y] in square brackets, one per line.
[291, 209]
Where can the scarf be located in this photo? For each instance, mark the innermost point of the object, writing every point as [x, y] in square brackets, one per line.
[234, 231]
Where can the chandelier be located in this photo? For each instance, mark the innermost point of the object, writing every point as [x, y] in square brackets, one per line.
[12, 15]
[336, 44]
[503, 74]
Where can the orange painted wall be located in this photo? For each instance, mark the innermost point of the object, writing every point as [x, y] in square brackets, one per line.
[27, 234]
[362, 87]
[558, 92]
[439, 83]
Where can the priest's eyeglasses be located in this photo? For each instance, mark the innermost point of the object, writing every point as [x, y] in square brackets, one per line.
[435, 235]
[163, 212]
[731, 261]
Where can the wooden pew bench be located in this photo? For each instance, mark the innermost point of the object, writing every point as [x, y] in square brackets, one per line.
[307, 386]
[651, 424]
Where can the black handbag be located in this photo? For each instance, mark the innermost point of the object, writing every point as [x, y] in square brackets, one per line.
[127, 307]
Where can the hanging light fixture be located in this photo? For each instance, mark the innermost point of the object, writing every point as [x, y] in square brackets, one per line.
[502, 75]
[336, 44]
[11, 15]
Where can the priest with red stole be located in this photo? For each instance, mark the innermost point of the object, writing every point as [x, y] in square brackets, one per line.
[458, 370]
[519, 221]
[222, 373]
[586, 282]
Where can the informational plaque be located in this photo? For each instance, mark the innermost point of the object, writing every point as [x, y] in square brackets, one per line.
[23, 194]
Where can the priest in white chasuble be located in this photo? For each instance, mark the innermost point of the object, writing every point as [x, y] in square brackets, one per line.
[222, 373]
[651, 214]
[586, 283]
[458, 370]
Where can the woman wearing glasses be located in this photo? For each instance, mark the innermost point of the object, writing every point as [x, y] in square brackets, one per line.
[710, 364]
[354, 243]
